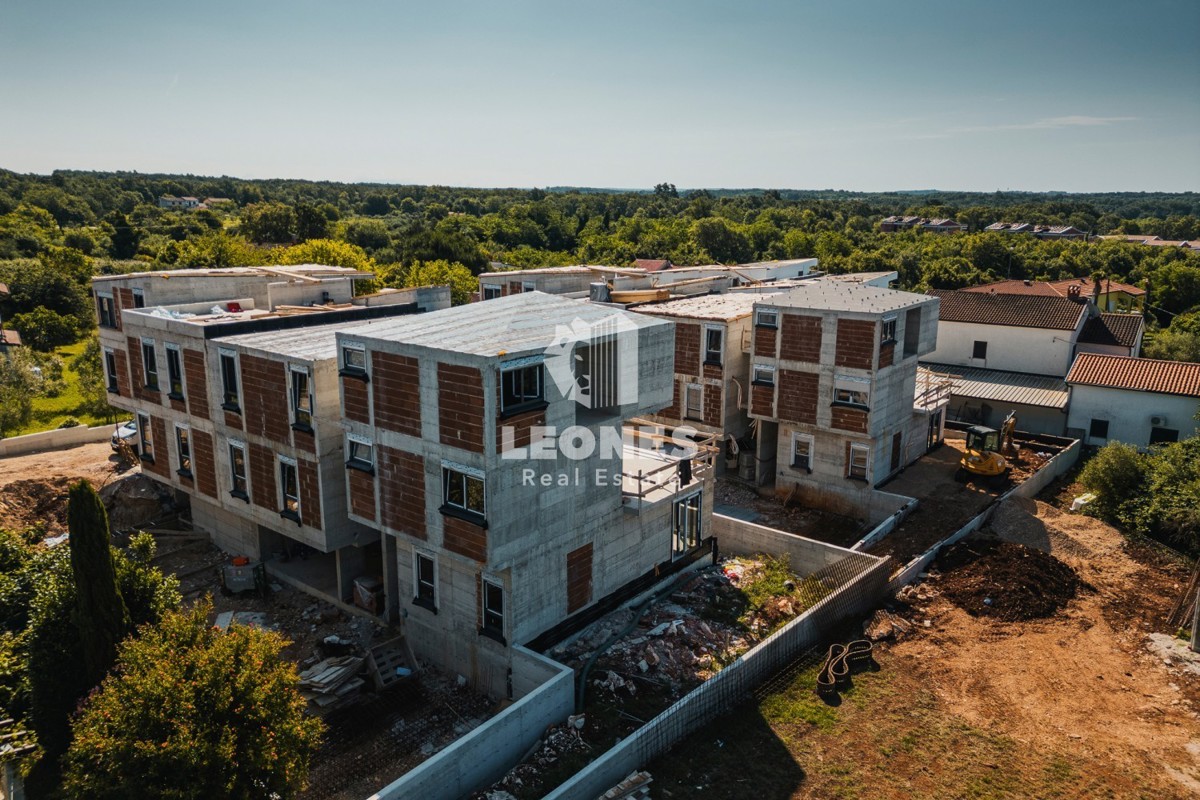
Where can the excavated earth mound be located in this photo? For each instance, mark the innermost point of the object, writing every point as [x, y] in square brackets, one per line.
[1006, 580]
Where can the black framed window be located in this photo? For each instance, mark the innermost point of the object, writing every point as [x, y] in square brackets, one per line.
[1098, 429]
[230, 397]
[139, 298]
[237, 471]
[110, 371]
[360, 454]
[979, 350]
[147, 438]
[763, 376]
[521, 388]
[685, 533]
[463, 492]
[1163, 435]
[425, 579]
[302, 399]
[107, 310]
[183, 443]
[174, 373]
[887, 331]
[354, 360]
[714, 345]
[490, 292]
[766, 319]
[289, 488]
[150, 365]
[493, 609]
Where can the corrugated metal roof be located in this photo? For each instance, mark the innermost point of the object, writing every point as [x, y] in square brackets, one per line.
[998, 386]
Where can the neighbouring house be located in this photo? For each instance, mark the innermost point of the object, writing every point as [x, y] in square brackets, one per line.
[490, 445]
[652, 264]
[1105, 294]
[1008, 352]
[902, 223]
[171, 201]
[1034, 334]
[9, 338]
[834, 390]
[1139, 401]
[1112, 334]
[1153, 241]
[231, 376]
[1040, 231]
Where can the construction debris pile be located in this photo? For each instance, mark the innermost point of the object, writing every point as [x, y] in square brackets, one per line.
[989, 577]
[332, 683]
[638, 661]
[26, 503]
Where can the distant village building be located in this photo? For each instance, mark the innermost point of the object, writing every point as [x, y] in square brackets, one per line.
[1040, 231]
[902, 223]
[1105, 294]
[173, 202]
[1154, 241]
[1138, 401]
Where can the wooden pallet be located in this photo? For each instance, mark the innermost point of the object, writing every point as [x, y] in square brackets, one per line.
[384, 658]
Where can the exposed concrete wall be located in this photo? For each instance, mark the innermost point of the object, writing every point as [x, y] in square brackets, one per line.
[1032, 419]
[745, 538]
[58, 439]
[546, 696]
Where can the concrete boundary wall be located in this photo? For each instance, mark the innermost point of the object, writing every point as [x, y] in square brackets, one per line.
[547, 697]
[859, 580]
[54, 440]
[1054, 468]
[890, 523]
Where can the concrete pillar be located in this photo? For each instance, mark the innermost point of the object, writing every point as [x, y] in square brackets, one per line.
[391, 578]
[350, 565]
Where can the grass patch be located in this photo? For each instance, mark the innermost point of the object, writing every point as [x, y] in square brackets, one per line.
[50, 413]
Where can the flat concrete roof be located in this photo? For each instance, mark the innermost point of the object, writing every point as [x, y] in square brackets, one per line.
[722, 307]
[316, 343]
[849, 296]
[514, 324]
[281, 272]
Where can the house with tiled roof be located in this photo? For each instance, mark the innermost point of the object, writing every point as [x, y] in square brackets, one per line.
[1010, 352]
[1106, 294]
[1112, 334]
[1040, 231]
[901, 223]
[1139, 401]
[652, 264]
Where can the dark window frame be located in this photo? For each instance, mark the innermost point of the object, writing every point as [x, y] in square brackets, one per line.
[757, 381]
[145, 438]
[290, 507]
[110, 369]
[977, 351]
[106, 311]
[713, 357]
[887, 330]
[1098, 429]
[183, 447]
[349, 370]
[687, 524]
[758, 319]
[354, 459]
[492, 623]
[302, 418]
[866, 465]
[516, 394]
[231, 397]
[425, 591]
[462, 508]
[149, 365]
[242, 491]
[174, 373]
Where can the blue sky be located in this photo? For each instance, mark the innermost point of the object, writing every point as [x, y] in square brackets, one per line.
[1075, 96]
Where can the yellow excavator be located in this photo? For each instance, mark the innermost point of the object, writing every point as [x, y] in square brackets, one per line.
[990, 452]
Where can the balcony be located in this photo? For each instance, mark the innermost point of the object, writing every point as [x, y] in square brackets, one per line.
[657, 467]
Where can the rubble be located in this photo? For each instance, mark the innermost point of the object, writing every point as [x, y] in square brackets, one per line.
[134, 501]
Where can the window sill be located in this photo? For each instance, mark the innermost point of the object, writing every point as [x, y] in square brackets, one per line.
[844, 404]
[770, 384]
[359, 374]
[802, 467]
[425, 604]
[488, 633]
[300, 427]
[184, 473]
[113, 390]
[887, 341]
[145, 459]
[710, 362]
[175, 396]
[361, 466]
[149, 388]
[766, 327]
[245, 498]
[292, 515]
[856, 478]
[524, 408]
[463, 514]
[234, 407]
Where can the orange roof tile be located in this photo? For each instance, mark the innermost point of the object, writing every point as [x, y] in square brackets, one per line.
[1138, 374]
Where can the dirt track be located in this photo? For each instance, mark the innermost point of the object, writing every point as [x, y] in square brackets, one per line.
[33, 487]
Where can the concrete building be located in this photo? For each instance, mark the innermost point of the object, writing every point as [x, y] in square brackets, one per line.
[834, 390]
[470, 438]
[173, 202]
[711, 387]
[1139, 401]
[231, 376]
[1040, 231]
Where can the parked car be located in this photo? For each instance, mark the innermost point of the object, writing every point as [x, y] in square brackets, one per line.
[126, 432]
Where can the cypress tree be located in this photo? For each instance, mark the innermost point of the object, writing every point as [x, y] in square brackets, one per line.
[100, 613]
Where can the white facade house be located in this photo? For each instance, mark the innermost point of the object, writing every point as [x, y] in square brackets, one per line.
[1139, 401]
[1011, 333]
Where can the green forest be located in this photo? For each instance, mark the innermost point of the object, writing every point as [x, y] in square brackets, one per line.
[57, 230]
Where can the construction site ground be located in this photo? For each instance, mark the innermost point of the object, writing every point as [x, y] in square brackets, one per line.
[370, 742]
[1079, 704]
[733, 492]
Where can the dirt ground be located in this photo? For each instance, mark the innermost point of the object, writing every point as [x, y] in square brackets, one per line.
[33, 488]
[1070, 706]
[811, 522]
